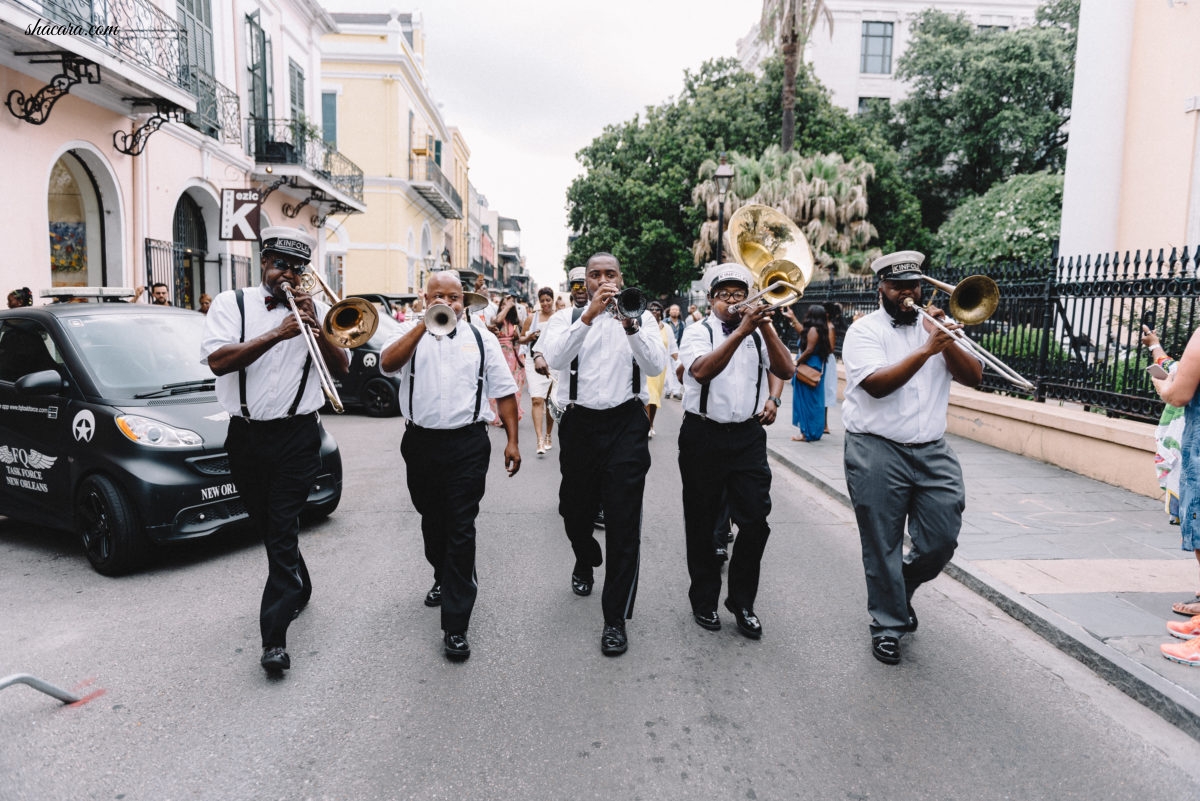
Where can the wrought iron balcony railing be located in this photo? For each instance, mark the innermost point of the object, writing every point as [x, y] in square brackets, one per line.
[274, 141]
[432, 184]
[218, 108]
[135, 30]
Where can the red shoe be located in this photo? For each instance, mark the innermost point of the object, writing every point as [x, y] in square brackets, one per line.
[1185, 653]
[1186, 629]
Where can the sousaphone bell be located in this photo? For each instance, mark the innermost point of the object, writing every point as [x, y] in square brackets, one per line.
[765, 241]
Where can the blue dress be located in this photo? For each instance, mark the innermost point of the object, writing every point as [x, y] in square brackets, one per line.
[808, 403]
[1189, 477]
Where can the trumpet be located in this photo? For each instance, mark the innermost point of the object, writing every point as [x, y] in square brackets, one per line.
[628, 304]
[439, 319]
[973, 300]
[315, 352]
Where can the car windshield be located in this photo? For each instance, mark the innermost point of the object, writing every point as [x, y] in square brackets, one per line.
[135, 353]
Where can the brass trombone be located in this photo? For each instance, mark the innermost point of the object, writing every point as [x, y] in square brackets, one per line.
[973, 300]
[773, 248]
[314, 352]
[350, 322]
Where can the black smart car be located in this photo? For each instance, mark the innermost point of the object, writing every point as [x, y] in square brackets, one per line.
[365, 387]
[110, 426]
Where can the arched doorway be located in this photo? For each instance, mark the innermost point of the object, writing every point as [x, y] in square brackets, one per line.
[76, 224]
[191, 243]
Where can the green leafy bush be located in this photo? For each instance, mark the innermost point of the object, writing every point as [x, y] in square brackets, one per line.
[1015, 221]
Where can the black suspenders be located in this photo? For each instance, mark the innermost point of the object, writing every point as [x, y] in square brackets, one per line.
[241, 302]
[637, 371]
[412, 377]
[757, 386]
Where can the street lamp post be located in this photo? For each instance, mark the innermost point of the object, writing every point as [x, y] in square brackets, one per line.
[722, 176]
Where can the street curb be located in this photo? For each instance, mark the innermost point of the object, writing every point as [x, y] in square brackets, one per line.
[1143, 685]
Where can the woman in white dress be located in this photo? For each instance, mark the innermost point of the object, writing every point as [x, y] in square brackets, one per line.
[540, 380]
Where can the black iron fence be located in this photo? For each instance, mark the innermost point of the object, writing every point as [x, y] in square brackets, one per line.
[1072, 326]
[137, 30]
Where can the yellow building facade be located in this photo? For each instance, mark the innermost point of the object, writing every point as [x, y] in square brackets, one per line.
[414, 165]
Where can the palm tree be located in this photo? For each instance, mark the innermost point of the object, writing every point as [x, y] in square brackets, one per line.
[788, 24]
[823, 194]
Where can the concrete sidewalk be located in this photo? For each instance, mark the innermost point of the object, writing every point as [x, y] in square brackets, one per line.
[1092, 568]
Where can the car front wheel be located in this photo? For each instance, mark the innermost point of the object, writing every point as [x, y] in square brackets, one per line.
[379, 398]
[107, 527]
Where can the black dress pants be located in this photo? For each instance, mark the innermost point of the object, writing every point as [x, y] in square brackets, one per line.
[274, 463]
[604, 456]
[447, 472]
[724, 470]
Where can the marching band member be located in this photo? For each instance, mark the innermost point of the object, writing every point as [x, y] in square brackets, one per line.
[604, 453]
[729, 360]
[447, 381]
[265, 381]
[898, 466]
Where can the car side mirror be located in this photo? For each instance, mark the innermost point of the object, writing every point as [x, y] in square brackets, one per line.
[43, 382]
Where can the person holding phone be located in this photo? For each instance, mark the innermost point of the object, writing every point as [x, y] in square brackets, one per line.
[1178, 389]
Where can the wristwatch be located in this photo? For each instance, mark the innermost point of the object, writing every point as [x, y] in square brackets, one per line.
[775, 400]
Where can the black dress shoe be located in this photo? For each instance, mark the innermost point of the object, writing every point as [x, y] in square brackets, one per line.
[580, 585]
[457, 648]
[599, 521]
[613, 641]
[886, 649]
[434, 596]
[275, 660]
[912, 618]
[722, 552]
[708, 620]
[747, 621]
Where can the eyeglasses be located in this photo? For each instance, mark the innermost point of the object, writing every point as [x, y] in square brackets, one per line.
[283, 266]
[577, 285]
[736, 295]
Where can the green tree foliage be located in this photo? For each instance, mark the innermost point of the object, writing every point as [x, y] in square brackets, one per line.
[984, 105]
[634, 198]
[1014, 221]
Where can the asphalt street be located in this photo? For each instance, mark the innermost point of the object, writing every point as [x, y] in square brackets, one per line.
[980, 708]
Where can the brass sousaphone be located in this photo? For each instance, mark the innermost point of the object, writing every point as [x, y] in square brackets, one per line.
[773, 248]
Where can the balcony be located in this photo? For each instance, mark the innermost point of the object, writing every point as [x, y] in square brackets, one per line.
[139, 48]
[218, 108]
[428, 180]
[299, 144]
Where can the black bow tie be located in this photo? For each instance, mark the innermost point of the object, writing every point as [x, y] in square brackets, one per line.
[729, 328]
[272, 302]
[451, 334]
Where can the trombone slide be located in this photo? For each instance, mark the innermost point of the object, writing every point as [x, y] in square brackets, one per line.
[310, 339]
[976, 350]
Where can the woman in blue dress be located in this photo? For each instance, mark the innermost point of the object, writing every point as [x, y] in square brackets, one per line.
[808, 403]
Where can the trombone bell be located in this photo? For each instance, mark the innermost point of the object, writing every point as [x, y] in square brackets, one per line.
[351, 322]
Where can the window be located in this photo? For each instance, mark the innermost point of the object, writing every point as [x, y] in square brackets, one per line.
[876, 48]
[992, 28]
[329, 118]
[258, 65]
[296, 90]
[873, 105]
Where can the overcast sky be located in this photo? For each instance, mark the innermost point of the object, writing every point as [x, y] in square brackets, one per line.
[530, 82]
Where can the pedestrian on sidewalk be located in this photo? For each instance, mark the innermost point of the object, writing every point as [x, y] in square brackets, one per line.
[1179, 389]
[444, 383]
[729, 359]
[899, 468]
[604, 451]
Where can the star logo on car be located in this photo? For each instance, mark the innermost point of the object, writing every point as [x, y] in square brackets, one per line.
[84, 426]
